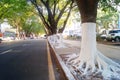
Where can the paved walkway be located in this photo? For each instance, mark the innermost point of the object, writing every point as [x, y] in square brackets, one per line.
[74, 47]
[27, 60]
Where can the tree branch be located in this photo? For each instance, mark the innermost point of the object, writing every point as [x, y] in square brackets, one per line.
[4, 12]
[61, 12]
[54, 9]
[65, 22]
[50, 15]
[41, 15]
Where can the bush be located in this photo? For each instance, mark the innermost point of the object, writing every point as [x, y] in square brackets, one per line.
[98, 38]
[73, 37]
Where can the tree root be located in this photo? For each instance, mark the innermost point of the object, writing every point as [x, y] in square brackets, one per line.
[56, 40]
[101, 67]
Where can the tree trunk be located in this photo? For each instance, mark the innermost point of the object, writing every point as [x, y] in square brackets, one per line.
[67, 17]
[54, 30]
[88, 44]
[17, 32]
[88, 10]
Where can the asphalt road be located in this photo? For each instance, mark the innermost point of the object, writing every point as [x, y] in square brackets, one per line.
[24, 60]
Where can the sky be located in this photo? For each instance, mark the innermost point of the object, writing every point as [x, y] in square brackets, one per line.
[4, 26]
[118, 8]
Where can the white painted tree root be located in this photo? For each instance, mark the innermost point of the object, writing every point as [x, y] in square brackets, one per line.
[53, 39]
[100, 66]
[57, 40]
[60, 41]
[90, 61]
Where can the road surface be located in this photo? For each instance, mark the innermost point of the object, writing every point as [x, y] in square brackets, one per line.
[26, 60]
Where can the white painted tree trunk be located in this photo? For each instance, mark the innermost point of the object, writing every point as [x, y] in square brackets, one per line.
[90, 60]
[88, 44]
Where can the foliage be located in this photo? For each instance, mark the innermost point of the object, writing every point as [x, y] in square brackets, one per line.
[32, 25]
[17, 12]
[9, 8]
[108, 5]
[52, 11]
[108, 13]
[107, 18]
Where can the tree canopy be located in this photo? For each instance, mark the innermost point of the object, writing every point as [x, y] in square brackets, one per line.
[52, 11]
[17, 12]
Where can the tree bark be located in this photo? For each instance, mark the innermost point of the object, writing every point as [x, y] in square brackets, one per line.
[88, 10]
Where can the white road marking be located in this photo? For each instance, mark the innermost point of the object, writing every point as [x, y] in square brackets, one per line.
[26, 44]
[4, 52]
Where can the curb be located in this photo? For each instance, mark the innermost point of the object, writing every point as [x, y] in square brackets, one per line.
[66, 72]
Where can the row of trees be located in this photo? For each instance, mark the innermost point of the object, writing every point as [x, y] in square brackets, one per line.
[54, 14]
[20, 15]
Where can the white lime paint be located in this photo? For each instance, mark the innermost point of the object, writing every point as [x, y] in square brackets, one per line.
[57, 40]
[60, 41]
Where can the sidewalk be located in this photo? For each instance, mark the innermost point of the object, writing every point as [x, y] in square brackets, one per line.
[73, 46]
[108, 50]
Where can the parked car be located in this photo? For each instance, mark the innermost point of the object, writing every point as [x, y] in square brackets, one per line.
[114, 35]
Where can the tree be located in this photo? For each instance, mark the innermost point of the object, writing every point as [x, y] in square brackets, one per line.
[107, 19]
[90, 61]
[15, 11]
[32, 26]
[51, 11]
[9, 7]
